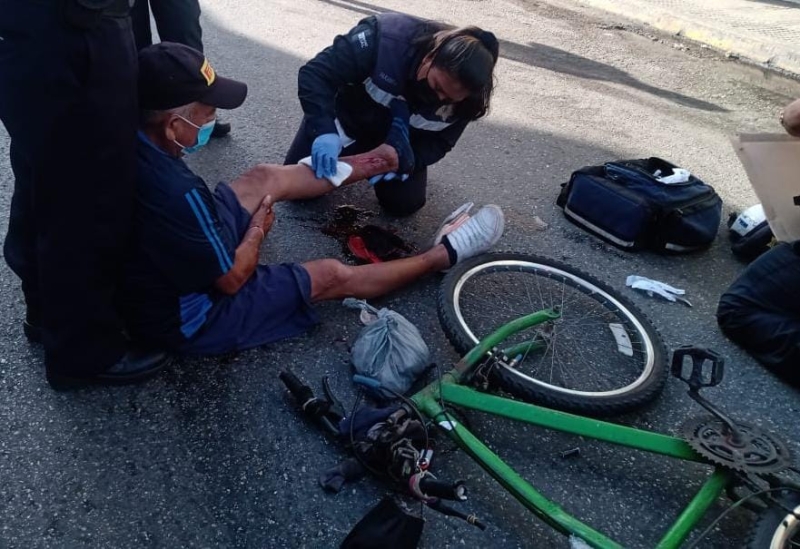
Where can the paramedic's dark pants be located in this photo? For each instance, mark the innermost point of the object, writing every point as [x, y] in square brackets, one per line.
[176, 21]
[68, 101]
[400, 198]
[761, 310]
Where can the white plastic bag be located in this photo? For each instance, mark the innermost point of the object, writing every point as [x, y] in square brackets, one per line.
[389, 349]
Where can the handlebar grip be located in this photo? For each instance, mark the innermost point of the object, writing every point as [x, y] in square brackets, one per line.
[301, 392]
[368, 382]
[455, 491]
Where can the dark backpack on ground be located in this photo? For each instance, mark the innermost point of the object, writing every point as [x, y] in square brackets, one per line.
[624, 203]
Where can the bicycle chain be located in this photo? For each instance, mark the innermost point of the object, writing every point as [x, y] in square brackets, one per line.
[758, 452]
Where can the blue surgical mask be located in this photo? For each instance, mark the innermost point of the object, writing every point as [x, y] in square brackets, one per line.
[203, 135]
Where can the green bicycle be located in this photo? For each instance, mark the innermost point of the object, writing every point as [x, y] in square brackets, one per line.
[533, 357]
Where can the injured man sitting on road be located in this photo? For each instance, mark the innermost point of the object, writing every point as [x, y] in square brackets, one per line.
[193, 283]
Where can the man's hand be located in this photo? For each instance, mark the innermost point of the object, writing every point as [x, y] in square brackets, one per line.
[246, 259]
[264, 216]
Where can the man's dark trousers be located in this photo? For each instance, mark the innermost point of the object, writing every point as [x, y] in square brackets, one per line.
[176, 21]
[68, 101]
[761, 310]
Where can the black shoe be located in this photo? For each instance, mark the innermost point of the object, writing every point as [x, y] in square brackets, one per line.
[32, 331]
[134, 366]
[221, 129]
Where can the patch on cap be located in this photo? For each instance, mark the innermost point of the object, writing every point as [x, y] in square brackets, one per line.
[208, 72]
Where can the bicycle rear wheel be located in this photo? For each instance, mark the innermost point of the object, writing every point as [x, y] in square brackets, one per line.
[601, 357]
[777, 529]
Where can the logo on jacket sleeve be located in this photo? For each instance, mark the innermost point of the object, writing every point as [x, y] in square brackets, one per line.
[387, 78]
[208, 72]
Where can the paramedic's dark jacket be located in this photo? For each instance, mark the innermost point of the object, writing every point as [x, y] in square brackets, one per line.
[354, 79]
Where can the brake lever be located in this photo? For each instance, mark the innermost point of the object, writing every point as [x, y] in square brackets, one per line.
[336, 410]
[327, 411]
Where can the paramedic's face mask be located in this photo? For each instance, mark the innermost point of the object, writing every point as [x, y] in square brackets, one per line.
[436, 86]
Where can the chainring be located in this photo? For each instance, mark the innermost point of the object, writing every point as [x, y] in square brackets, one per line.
[758, 452]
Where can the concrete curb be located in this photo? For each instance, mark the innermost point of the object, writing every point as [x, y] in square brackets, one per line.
[774, 56]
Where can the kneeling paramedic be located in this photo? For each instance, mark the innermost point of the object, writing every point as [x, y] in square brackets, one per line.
[394, 79]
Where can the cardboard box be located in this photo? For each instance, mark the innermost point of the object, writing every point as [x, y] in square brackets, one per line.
[772, 162]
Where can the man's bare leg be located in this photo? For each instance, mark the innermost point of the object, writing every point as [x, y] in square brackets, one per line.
[331, 279]
[299, 183]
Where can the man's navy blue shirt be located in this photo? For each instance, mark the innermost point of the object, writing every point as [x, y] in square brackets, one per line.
[180, 248]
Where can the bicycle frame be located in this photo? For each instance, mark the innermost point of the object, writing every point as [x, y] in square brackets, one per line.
[449, 389]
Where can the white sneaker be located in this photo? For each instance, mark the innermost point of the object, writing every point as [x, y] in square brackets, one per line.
[479, 233]
[453, 222]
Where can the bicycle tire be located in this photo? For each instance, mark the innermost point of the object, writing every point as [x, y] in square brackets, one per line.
[775, 529]
[646, 386]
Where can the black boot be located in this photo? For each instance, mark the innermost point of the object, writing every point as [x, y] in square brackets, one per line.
[221, 129]
[135, 365]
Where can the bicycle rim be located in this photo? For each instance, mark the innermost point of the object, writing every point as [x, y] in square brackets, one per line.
[601, 349]
[787, 535]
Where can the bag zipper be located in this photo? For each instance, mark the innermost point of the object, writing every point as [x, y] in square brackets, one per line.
[695, 204]
[620, 170]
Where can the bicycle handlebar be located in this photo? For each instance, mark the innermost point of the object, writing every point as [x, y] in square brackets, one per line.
[300, 391]
[455, 491]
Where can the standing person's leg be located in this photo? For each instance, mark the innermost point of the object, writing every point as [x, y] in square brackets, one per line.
[179, 21]
[403, 198]
[84, 226]
[20, 245]
[74, 151]
[140, 19]
[32, 36]
[761, 310]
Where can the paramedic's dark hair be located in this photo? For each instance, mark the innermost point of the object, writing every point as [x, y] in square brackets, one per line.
[469, 54]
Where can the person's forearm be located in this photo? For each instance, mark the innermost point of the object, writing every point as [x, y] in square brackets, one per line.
[244, 263]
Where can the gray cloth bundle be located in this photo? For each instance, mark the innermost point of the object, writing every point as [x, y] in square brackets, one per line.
[389, 348]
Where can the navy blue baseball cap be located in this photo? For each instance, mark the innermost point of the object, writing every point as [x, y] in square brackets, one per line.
[172, 75]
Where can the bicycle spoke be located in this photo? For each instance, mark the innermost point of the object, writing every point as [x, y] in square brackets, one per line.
[576, 346]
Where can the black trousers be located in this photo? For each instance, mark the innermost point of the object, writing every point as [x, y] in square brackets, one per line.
[68, 101]
[761, 310]
[176, 21]
[399, 198]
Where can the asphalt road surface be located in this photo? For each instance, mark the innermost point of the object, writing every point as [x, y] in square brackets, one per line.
[212, 454]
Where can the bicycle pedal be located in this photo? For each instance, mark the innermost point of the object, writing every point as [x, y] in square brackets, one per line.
[698, 374]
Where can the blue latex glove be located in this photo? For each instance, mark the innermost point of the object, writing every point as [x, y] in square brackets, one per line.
[325, 154]
[388, 176]
[398, 136]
